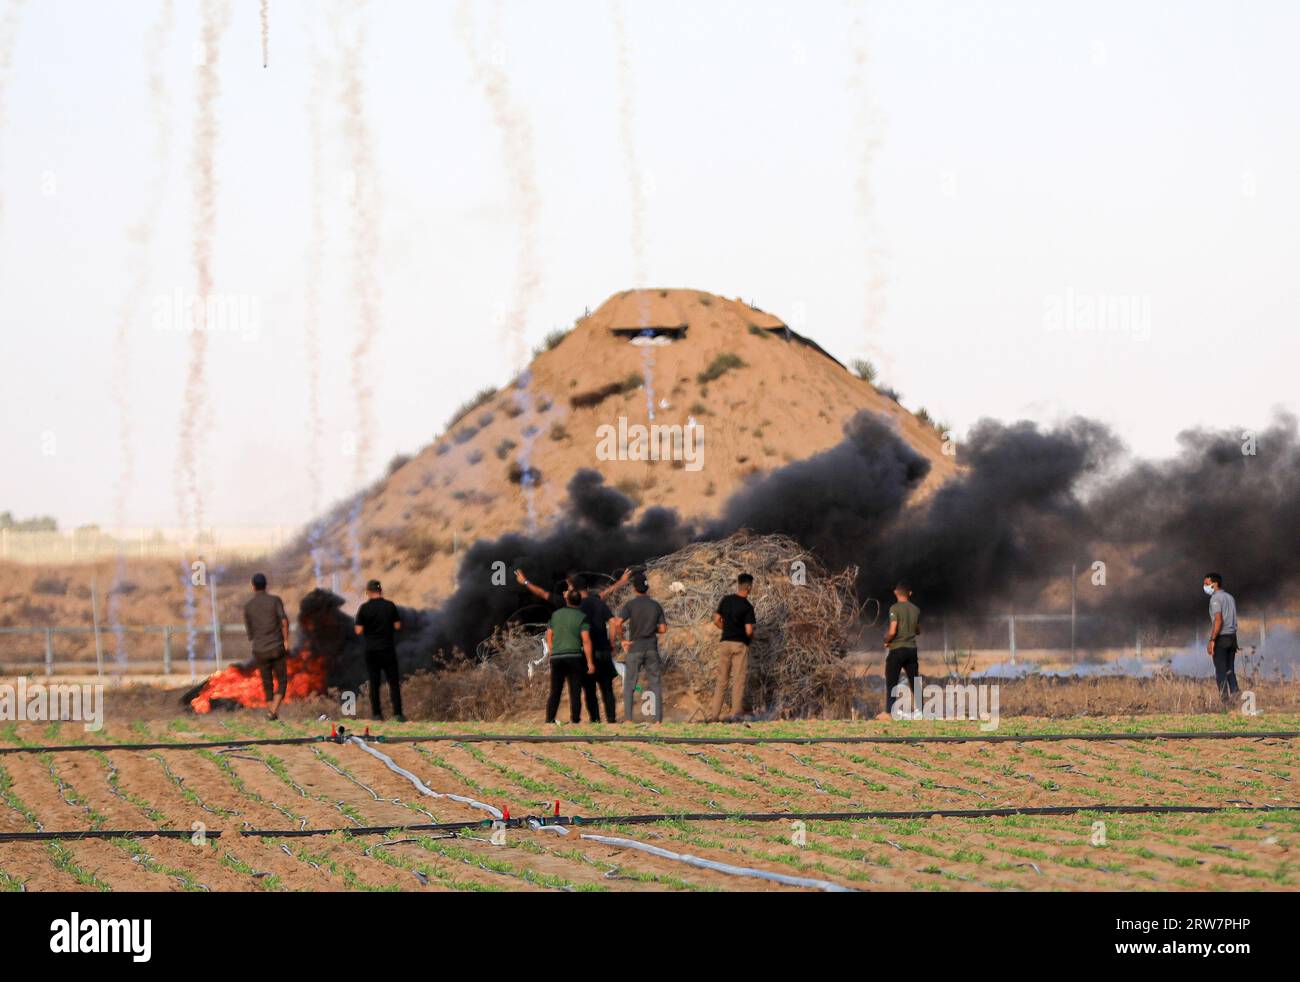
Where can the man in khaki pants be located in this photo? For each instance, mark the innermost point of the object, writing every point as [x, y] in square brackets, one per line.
[735, 616]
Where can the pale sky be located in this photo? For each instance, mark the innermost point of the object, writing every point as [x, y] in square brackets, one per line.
[1033, 156]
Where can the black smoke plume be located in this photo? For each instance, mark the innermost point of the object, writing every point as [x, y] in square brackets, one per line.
[1027, 505]
[593, 534]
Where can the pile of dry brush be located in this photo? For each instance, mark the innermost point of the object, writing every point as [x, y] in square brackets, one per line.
[806, 620]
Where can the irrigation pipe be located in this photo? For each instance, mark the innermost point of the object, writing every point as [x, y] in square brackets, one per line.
[927, 738]
[668, 739]
[560, 823]
[423, 788]
[193, 745]
[699, 862]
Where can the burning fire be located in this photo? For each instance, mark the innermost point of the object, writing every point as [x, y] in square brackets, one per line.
[243, 683]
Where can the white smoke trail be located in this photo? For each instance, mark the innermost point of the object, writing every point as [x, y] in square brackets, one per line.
[517, 152]
[627, 132]
[264, 14]
[311, 329]
[141, 236]
[867, 138]
[636, 196]
[215, 19]
[365, 268]
[8, 39]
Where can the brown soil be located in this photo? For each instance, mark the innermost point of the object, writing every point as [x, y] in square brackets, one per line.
[328, 785]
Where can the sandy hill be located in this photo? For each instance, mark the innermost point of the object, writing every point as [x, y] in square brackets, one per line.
[764, 395]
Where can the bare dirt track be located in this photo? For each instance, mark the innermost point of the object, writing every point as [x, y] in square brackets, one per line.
[327, 785]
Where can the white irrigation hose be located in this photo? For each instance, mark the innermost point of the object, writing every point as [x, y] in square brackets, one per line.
[423, 788]
[697, 861]
[609, 840]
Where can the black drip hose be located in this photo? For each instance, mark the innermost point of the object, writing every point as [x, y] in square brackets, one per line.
[565, 821]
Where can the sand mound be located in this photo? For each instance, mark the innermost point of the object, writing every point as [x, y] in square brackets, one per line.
[764, 395]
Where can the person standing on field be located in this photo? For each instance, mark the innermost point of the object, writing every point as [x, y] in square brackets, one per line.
[568, 639]
[267, 627]
[735, 616]
[378, 621]
[900, 643]
[602, 651]
[638, 625]
[1223, 635]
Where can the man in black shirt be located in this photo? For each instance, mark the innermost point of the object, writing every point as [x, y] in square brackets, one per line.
[378, 621]
[735, 616]
[602, 651]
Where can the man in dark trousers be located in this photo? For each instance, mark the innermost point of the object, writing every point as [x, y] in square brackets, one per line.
[267, 627]
[900, 643]
[735, 616]
[568, 639]
[602, 653]
[1223, 635]
[378, 621]
[638, 625]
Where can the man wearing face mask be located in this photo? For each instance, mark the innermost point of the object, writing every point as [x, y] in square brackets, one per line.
[1223, 635]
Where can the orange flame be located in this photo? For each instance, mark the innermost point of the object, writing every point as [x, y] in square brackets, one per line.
[243, 683]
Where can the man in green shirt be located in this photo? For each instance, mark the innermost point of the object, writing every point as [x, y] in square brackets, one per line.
[568, 638]
[900, 643]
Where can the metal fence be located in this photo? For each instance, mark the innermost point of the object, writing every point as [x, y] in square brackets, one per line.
[1022, 638]
[81, 545]
[1078, 638]
[139, 651]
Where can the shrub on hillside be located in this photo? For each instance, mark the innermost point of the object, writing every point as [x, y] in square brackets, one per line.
[482, 397]
[864, 369]
[723, 363]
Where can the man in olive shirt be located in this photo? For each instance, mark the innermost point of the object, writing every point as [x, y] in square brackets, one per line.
[568, 638]
[1223, 635]
[267, 627]
[900, 642]
[638, 625]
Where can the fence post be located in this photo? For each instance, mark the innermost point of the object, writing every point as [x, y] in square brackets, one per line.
[49, 651]
[167, 650]
[1011, 635]
[216, 621]
[1074, 611]
[94, 617]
